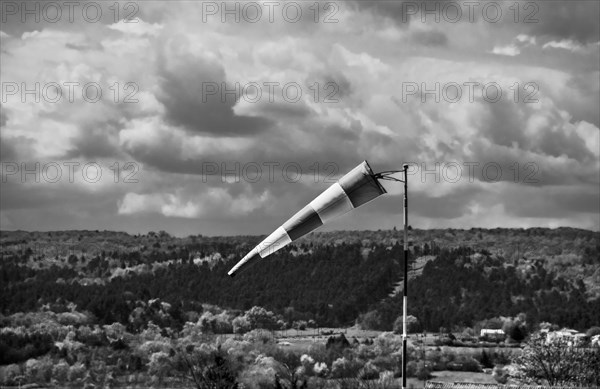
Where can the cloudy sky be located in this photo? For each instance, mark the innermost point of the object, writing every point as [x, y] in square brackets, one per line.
[176, 116]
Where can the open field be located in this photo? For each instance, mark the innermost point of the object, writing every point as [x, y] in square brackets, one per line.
[300, 339]
[462, 376]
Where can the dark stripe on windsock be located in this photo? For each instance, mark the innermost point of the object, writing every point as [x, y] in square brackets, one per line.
[302, 223]
[361, 187]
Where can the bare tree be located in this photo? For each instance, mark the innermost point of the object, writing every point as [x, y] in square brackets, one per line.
[554, 361]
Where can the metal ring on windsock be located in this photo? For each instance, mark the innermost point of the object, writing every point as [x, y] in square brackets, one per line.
[354, 189]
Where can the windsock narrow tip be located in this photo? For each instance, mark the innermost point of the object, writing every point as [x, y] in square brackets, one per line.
[243, 263]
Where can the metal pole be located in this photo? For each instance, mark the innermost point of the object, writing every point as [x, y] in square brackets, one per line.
[405, 293]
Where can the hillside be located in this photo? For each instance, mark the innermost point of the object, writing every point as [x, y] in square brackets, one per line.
[460, 276]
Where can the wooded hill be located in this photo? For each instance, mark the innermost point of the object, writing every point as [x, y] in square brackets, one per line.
[331, 277]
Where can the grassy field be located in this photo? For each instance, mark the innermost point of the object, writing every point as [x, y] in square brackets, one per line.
[301, 341]
[462, 376]
[324, 332]
[320, 335]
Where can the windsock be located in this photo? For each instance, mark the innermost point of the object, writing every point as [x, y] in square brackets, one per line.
[356, 188]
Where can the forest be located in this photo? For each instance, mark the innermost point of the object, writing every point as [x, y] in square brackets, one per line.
[110, 308]
[325, 277]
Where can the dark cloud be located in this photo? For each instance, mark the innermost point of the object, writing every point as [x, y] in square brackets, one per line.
[3, 116]
[430, 38]
[448, 206]
[396, 10]
[336, 154]
[96, 140]
[585, 108]
[85, 47]
[335, 86]
[560, 202]
[181, 92]
[69, 196]
[31, 15]
[7, 150]
[576, 20]
[425, 203]
[497, 164]
[284, 110]
[557, 142]
[15, 148]
[506, 125]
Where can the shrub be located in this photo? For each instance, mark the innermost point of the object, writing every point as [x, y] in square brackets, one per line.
[500, 374]
[114, 330]
[241, 325]
[319, 352]
[366, 352]
[471, 365]
[423, 372]
[261, 374]
[299, 325]
[371, 320]
[258, 317]
[593, 331]
[153, 346]
[307, 364]
[31, 369]
[386, 380]
[259, 336]
[345, 368]
[321, 369]
[387, 343]
[338, 342]
[91, 337]
[444, 341]
[385, 362]
[368, 372]
[60, 371]
[411, 369]
[486, 360]
[9, 374]
[553, 361]
[72, 318]
[412, 325]
[515, 330]
[45, 367]
[158, 366]
[76, 372]
[216, 324]
[17, 345]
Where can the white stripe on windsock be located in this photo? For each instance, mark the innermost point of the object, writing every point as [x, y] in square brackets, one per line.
[332, 203]
[273, 242]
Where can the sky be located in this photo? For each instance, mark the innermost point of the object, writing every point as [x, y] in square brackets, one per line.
[221, 118]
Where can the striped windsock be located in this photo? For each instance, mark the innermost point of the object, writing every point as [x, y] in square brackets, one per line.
[351, 191]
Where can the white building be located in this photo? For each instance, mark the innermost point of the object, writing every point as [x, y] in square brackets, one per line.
[492, 333]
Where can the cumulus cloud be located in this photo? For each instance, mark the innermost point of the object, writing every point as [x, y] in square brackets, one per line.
[193, 91]
[178, 133]
[510, 50]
